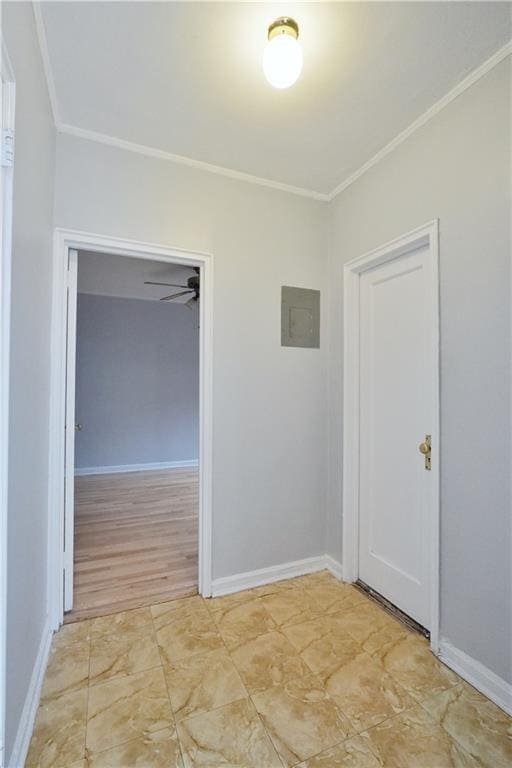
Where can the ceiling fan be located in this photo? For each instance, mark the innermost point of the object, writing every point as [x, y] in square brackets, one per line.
[192, 286]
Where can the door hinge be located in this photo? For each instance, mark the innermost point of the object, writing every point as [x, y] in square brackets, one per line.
[7, 157]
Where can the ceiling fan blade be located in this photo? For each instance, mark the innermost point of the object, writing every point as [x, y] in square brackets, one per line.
[171, 285]
[191, 302]
[175, 295]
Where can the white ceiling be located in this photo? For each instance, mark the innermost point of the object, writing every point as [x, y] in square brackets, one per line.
[106, 274]
[186, 77]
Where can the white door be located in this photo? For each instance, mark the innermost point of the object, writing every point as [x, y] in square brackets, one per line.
[395, 396]
[69, 452]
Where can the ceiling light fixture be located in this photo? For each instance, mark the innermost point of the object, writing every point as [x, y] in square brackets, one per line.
[282, 58]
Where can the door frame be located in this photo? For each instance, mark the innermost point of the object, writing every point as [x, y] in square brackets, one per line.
[69, 434]
[65, 240]
[7, 115]
[424, 236]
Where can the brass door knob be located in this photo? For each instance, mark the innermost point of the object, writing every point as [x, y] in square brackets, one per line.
[425, 449]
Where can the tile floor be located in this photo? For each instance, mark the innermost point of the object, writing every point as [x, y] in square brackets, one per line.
[307, 672]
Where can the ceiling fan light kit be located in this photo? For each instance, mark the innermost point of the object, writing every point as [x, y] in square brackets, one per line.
[282, 57]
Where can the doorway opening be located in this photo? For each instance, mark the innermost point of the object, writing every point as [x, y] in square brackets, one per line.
[391, 425]
[130, 444]
[135, 441]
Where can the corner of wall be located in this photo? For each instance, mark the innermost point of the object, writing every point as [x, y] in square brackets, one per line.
[26, 722]
[479, 676]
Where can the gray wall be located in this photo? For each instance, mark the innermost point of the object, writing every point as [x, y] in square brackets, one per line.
[30, 359]
[456, 168]
[137, 382]
[269, 402]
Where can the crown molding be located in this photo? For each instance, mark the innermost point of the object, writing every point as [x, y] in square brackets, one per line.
[423, 119]
[45, 56]
[142, 149]
[6, 67]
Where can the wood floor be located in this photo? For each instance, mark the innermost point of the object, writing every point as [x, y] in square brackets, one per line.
[136, 540]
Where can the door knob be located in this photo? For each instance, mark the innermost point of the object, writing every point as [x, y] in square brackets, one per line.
[425, 448]
[78, 427]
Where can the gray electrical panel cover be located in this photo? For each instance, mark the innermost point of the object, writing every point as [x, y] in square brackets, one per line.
[300, 317]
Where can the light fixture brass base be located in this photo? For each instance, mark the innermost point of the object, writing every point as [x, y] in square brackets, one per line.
[284, 25]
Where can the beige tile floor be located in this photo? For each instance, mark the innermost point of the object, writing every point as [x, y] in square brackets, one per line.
[307, 672]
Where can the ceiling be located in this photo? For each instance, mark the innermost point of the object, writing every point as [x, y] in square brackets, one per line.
[106, 274]
[186, 77]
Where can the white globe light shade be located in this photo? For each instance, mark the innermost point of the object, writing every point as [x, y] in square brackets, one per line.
[282, 61]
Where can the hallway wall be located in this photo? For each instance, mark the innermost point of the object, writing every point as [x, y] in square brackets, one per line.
[30, 360]
[456, 168]
[269, 402]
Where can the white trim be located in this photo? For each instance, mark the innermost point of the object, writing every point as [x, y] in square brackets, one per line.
[427, 235]
[45, 56]
[147, 467]
[28, 714]
[161, 154]
[334, 567]
[423, 119]
[479, 676]
[142, 149]
[63, 241]
[7, 72]
[7, 121]
[249, 579]
[71, 294]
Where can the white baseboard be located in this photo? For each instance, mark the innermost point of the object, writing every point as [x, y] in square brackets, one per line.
[28, 715]
[476, 674]
[239, 581]
[114, 469]
[334, 566]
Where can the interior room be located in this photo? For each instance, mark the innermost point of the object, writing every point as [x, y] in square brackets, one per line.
[328, 185]
[136, 416]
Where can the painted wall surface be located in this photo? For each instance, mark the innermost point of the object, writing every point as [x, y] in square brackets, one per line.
[457, 169]
[269, 402]
[30, 359]
[137, 381]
